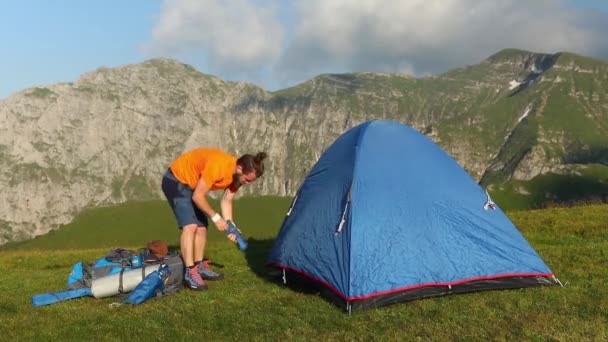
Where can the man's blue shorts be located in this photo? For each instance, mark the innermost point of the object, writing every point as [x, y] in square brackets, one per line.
[179, 196]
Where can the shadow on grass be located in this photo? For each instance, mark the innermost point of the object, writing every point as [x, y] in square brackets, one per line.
[568, 191]
[257, 256]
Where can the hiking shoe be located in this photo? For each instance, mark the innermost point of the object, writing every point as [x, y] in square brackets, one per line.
[193, 279]
[206, 273]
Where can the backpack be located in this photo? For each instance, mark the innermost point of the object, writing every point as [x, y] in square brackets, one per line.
[118, 260]
[175, 280]
[122, 260]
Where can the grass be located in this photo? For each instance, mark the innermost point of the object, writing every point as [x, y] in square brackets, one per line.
[41, 93]
[589, 187]
[249, 305]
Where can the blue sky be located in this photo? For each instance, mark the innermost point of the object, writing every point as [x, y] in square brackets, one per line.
[277, 43]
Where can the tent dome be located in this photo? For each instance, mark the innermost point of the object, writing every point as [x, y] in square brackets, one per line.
[385, 215]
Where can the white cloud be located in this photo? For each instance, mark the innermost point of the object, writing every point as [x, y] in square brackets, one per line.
[242, 37]
[429, 35]
[234, 36]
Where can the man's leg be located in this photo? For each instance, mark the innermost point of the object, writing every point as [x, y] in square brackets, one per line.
[179, 197]
[200, 240]
[187, 244]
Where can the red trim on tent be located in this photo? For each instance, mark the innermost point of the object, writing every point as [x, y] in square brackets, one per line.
[412, 287]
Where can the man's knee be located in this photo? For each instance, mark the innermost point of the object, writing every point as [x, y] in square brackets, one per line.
[189, 228]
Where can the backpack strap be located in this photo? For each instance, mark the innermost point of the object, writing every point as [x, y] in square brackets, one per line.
[120, 285]
[120, 255]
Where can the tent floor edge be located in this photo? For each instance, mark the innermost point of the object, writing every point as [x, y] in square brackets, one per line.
[437, 291]
[301, 283]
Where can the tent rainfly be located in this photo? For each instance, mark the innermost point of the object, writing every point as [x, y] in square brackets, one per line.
[385, 215]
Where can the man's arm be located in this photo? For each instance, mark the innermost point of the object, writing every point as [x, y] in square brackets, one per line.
[199, 197]
[226, 203]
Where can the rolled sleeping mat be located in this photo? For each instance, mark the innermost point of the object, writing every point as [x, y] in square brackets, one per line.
[122, 282]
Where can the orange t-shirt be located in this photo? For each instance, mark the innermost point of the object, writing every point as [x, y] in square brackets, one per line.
[214, 166]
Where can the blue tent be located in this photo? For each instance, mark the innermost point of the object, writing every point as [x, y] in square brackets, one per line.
[385, 215]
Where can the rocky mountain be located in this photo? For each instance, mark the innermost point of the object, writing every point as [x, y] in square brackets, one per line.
[530, 127]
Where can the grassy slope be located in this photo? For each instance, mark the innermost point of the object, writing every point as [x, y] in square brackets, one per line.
[133, 224]
[247, 306]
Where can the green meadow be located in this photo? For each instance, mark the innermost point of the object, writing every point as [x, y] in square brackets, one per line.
[251, 305]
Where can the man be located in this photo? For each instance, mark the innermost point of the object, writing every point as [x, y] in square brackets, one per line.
[186, 185]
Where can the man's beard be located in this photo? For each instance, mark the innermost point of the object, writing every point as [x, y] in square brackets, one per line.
[236, 182]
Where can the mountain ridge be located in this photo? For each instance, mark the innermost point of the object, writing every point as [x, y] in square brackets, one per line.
[513, 119]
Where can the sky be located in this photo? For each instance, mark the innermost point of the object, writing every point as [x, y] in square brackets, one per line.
[277, 43]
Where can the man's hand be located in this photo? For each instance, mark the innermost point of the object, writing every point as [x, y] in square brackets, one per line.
[235, 235]
[221, 224]
[232, 236]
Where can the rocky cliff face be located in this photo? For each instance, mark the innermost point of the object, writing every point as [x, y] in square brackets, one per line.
[109, 136]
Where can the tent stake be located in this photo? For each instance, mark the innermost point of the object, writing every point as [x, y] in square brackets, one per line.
[284, 277]
[557, 280]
